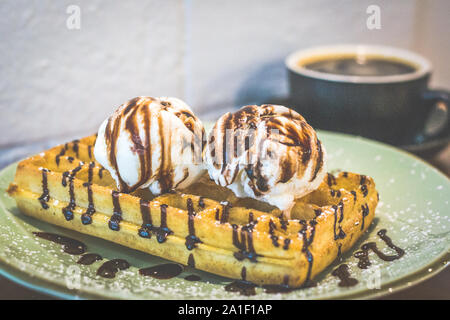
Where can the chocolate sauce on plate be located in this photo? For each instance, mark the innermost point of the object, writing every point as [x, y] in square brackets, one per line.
[111, 267]
[343, 274]
[363, 255]
[193, 277]
[243, 287]
[89, 258]
[162, 271]
[70, 246]
[279, 288]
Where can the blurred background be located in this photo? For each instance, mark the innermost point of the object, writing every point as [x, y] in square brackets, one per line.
[66, 65]
[58, 81]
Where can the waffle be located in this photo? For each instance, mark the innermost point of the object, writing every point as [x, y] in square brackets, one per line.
[204, 226]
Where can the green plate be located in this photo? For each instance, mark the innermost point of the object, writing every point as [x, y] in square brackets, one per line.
[414, 202]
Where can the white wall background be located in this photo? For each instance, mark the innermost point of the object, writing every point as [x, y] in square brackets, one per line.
[56, 82]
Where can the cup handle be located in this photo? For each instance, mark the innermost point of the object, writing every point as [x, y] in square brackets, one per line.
[433, 99]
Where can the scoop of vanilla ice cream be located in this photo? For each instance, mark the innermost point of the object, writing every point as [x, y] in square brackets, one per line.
[268, 153]
[151, 142]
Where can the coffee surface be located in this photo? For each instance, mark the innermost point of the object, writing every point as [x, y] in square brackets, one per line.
[356, 66]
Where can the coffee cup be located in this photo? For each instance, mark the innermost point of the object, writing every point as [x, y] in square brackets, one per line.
[374, 91]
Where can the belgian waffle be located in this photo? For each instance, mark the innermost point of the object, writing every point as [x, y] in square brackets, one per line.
[204, 226]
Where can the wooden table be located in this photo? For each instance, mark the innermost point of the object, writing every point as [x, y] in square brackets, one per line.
[438, 287]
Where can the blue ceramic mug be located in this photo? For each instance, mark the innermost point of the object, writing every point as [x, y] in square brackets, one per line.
[385, 106]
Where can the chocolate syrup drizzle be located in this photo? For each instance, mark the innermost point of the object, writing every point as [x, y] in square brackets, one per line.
[335, 193]
[68, 211]
[135, 111]
[341, 234]
[293, 132]
[111, 267]
[86, 218]
[245, 244]
[319, 162]
[331, 179]
[59, 155]
[343, 274]
[353, 192]
[100, 172]
[43, 199]
[363, 255]
[250, 217]
[225, 211]
[201, 202]
[191, 239]
[244, 273]
[166, 170]
[191, 261]
[114, 221]
[363, 185]
[364, 190]
[70, 246]
[283, 222]
[306, 243]
[147, 224]
[75, 147]
[162, 271]
[272, 228]
[162, 231]
[362, 179]
[217, 216]
[365, 213]
[287, 241]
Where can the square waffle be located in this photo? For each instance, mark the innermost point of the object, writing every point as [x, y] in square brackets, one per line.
[204, 226]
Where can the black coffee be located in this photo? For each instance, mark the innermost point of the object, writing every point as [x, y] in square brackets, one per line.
[357, 66]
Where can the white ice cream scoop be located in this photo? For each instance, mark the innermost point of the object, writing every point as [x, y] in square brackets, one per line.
[151, 142]
[269, 153]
